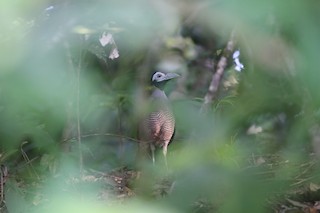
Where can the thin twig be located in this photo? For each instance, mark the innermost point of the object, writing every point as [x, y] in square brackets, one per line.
[106, 134]
[217, 75]
[78, 114]
[27, 159]
[69, 129]
[121, 145]
[3, 178]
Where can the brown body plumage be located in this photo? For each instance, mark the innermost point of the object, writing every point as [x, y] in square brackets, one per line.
[157, 127]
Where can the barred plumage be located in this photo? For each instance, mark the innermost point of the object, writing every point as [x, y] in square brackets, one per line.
[157, 128]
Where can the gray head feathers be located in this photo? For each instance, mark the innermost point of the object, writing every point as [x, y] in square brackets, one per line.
[159, 79]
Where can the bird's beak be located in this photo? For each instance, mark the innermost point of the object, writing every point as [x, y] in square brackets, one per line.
[171, 75]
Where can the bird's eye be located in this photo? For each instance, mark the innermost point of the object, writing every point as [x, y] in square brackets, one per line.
[158, 76]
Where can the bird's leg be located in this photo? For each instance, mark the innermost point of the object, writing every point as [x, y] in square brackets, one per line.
[165, 149]
[153, 148]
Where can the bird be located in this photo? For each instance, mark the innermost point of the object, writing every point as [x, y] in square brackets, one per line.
[157, 126]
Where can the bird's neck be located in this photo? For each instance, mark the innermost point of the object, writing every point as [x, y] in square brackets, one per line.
[159, 94]
[159, 85]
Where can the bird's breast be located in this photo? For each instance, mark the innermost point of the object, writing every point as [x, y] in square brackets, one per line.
[159, 126]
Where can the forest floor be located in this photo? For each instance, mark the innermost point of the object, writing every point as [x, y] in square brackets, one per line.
[119, 185]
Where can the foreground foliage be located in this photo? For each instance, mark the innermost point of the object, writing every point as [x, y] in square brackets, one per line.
[72, 82]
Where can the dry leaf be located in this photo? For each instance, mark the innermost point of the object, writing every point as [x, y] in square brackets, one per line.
[253, 130]
[317, 205]
[106, 39]
[314, 187]
[114, 53]
[297, 204]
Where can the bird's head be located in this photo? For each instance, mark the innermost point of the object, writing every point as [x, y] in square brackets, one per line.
[159, 79]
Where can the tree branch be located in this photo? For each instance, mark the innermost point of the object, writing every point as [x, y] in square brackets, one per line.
[217, 75]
